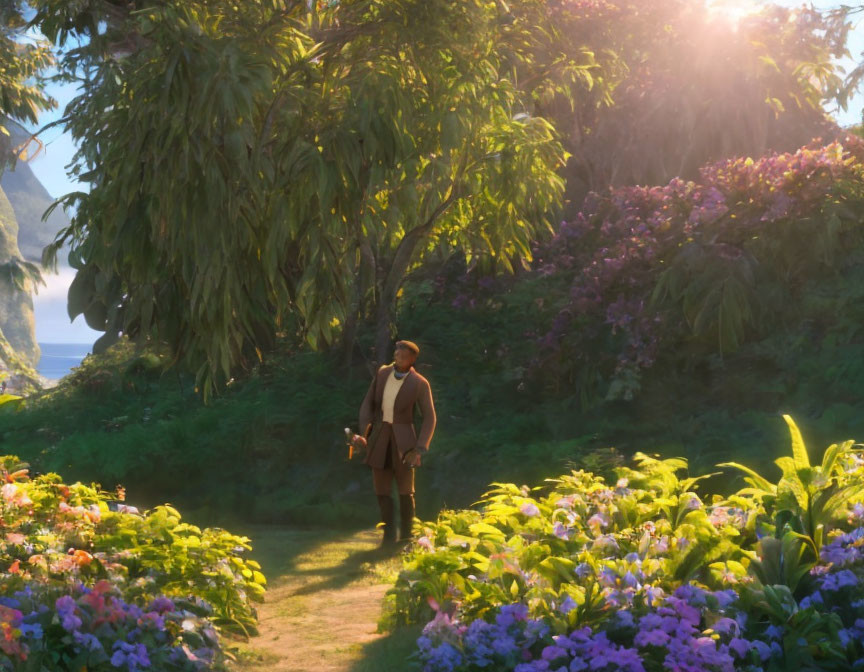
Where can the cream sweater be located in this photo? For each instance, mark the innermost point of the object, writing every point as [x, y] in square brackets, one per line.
[391, 389]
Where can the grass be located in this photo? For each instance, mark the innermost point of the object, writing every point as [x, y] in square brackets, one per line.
[270, 449]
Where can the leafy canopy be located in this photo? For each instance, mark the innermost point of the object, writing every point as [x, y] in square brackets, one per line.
[246, 161]
[22, 61]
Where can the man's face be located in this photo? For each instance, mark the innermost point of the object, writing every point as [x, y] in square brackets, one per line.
[404, 358]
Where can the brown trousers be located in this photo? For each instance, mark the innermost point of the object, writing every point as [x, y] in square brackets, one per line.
[382, 479]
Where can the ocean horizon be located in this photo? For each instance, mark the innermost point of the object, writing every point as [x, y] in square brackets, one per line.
[58, 359]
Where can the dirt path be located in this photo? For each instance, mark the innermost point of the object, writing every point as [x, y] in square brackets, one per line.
[323, 604]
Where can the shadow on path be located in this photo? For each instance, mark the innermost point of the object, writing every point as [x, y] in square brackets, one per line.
[353, 567]
[390, 653]
[323, 602]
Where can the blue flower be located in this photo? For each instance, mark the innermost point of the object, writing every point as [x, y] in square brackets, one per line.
[842, 579]
[442, 658]
[774, 631]
[87, 641]
[811, 600]
[66, 607]
[132, 656]
[31, 630]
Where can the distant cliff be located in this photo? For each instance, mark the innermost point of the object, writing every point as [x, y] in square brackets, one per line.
[30, 200]
[18, 349]
[23, 235]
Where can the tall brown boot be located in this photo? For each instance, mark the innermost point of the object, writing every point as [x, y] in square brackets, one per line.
[406, 517]
[385, 503]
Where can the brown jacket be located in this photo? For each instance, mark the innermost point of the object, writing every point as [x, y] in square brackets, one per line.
[415, 391]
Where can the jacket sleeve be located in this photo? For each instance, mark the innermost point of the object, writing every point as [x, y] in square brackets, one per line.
[427, 409]
[367, 409]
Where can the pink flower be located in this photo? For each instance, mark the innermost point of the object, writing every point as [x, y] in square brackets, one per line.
[424, 542]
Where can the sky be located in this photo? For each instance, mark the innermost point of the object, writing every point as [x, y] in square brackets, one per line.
[52, 321]
[49, 304]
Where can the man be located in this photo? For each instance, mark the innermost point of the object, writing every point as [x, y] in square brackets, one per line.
[394, 449]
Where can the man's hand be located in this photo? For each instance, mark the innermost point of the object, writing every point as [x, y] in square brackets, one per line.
[411, 458]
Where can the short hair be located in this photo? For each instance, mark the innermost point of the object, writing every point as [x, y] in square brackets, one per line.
[408, 345]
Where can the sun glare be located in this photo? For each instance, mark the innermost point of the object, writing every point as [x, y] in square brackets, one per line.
[734, 10]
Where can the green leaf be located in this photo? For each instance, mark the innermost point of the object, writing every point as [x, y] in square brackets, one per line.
[756, 480]
[799, 450]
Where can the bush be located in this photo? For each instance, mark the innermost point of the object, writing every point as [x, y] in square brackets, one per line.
[87, 580]
[645, 575]
[679, 273]
[95, 629]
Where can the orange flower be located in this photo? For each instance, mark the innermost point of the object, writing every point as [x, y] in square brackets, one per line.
[20, 475]
[81, 558]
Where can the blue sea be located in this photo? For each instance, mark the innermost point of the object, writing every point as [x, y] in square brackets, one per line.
[58, 358]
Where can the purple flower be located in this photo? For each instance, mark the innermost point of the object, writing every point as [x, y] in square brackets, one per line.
[774, 631]
[842, 579]
[762, 649]
[66, 607]
[161, 604]
[567, 605]
[87, 641]
[725, 597]
[583, 569]
[725, 626]
[624, 618]
[651, 638]
[740, 646]
[511, 613]
[691, 594]
[553, 652]
[811, 600]
[533, 666]
[598, 520]
[151, 621]
[132, 656]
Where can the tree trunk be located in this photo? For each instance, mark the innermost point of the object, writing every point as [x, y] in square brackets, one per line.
[384, 332]
[386, 299]
[349, 336]
[364, 278]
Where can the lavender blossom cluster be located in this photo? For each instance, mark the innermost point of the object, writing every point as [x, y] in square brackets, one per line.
[98, 630]
[692, 630]
[674, 633]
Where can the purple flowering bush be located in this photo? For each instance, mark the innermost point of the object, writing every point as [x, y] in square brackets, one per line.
[690, 269]
[646, 573]
[87, 581]
[94, 628]
[693, 629]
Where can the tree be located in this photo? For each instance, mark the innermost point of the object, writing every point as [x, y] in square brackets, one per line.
[700, 88]
[275, 167]
[845, 17]
[436, 133]
[22, 62]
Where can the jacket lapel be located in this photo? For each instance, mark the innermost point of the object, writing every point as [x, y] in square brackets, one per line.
[410, 381]
[383, 374]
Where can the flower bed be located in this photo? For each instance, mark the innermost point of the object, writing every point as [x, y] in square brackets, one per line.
[89, 582]
[645, 575]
